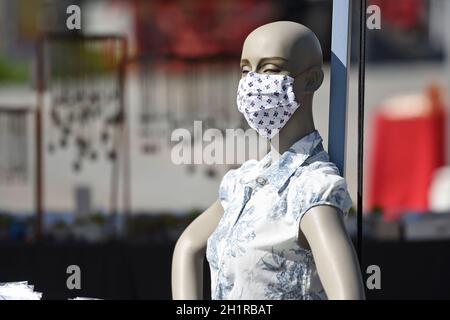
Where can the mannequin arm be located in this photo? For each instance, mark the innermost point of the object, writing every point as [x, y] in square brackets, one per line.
[333, 252]
[187, 261]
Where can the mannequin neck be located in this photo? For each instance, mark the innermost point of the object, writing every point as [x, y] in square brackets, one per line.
[299, 125]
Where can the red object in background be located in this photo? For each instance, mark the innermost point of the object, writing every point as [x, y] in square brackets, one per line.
[407, 151]
[402, 14]
[198, 28]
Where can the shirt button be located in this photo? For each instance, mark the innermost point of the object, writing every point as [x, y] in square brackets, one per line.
[261, 181]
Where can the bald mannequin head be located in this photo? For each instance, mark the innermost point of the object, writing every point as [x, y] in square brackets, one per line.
[293, 42]
[286, 47]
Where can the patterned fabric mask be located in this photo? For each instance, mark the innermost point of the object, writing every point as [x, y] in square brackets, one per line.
[266, 101]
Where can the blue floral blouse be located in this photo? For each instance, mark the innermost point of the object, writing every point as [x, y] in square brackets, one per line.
[254, 251]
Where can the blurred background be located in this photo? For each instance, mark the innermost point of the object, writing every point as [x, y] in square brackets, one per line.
[86, 118]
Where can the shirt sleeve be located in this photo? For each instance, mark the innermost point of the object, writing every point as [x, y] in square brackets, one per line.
[321, 186]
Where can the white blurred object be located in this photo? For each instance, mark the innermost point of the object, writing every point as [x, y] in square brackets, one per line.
[439, 197]
[84, 298]
[18, 291]
[407, 106]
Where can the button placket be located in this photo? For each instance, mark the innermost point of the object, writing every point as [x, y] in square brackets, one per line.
[249, 189]
[247, 194]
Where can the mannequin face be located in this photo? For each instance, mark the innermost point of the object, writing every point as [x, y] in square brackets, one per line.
[288, 48]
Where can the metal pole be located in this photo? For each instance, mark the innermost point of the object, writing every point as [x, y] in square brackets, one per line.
[447, 60]
[126, 123]
[361, 91]
[340, 58]
[39, 160]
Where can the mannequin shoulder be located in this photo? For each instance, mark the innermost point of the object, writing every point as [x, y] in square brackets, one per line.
[322, 167]
[317, 176]
[318, 184]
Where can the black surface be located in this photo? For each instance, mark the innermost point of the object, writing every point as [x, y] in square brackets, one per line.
[410, 270]
[418, 270]
[113, 271]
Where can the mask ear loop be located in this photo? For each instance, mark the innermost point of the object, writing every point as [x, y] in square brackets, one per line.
[304, 71]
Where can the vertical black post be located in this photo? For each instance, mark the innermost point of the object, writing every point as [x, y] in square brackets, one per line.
[361, 91]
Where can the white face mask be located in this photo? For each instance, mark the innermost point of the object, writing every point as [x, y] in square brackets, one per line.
[267, 101]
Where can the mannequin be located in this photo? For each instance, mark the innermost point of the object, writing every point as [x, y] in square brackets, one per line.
[291, 49]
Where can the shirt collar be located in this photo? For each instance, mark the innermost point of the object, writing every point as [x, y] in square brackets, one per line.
[281, 170]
